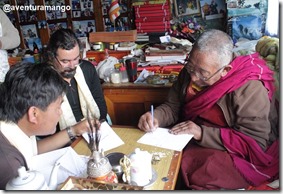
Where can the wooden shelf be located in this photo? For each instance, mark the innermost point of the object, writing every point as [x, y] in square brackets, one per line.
[100, 55]
[126, 102]
[119, 36]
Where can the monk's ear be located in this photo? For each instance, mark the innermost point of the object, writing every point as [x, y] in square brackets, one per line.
[33, 114]
[226, 70]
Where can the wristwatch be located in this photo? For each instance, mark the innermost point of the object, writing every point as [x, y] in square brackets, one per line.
[70, 134]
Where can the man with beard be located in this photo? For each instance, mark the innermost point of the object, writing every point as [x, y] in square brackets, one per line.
[228, 105]
[84, 93]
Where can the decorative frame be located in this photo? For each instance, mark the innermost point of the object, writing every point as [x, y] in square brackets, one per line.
[186, 7]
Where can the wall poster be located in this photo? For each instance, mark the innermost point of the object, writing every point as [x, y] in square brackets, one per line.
[186, 7]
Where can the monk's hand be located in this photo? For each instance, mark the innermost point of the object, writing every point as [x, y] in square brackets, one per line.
[187, 127]
[146, 123]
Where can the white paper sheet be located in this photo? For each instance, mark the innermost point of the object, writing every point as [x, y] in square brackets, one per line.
[109, 139]
[71, 164]
[162, 138]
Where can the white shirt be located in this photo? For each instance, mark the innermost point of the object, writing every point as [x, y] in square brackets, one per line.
[25, 144]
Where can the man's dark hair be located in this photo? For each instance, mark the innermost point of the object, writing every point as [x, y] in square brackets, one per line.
[26, 85]
[62, 38]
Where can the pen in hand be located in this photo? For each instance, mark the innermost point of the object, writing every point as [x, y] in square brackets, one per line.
[152, 116]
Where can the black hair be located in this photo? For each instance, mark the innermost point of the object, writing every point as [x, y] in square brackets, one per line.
[62, 38]
[28, 84]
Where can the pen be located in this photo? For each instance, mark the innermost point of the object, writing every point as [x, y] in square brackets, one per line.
[152, 116]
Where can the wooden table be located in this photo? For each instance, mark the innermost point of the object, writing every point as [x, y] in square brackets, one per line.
[168, 166]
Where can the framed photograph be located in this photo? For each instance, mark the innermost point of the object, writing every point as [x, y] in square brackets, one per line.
[248, 26]
[29, 31]
[34, 43]
[55, 14]
[186, 7]
[87, 8]
[56, 26]
[27, 15]
[213, 9]
[84, 43]
[84, 27]
[247, 7]
[76, 14]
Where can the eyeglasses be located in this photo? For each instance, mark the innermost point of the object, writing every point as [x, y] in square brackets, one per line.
[67, 62]
[191, 70]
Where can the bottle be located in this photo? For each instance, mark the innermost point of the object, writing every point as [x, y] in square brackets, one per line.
[116, 75]
[131, 66]
[106, 54]
[124, 74]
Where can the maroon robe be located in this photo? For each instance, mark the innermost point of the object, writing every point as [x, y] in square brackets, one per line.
[244, 163]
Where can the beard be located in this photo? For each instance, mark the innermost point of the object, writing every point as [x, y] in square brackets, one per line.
[69, 72]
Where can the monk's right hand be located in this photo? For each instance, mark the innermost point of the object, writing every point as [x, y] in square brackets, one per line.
[146, 123]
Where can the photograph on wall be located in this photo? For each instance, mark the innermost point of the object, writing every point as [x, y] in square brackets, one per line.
[84, 43]
[123, 6]
[105, 6]
[84, 27]
[246, 7]
[34, 44]
[56, 26]
[27, 15]
[29, 31]
[123, 24]
[186, 7]
[42, 24]
[212, 9]
[76, 5]
[108, 24]
[76, 13]
[76, 8]
[87, 8]
[55, 14]
[249, 27]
